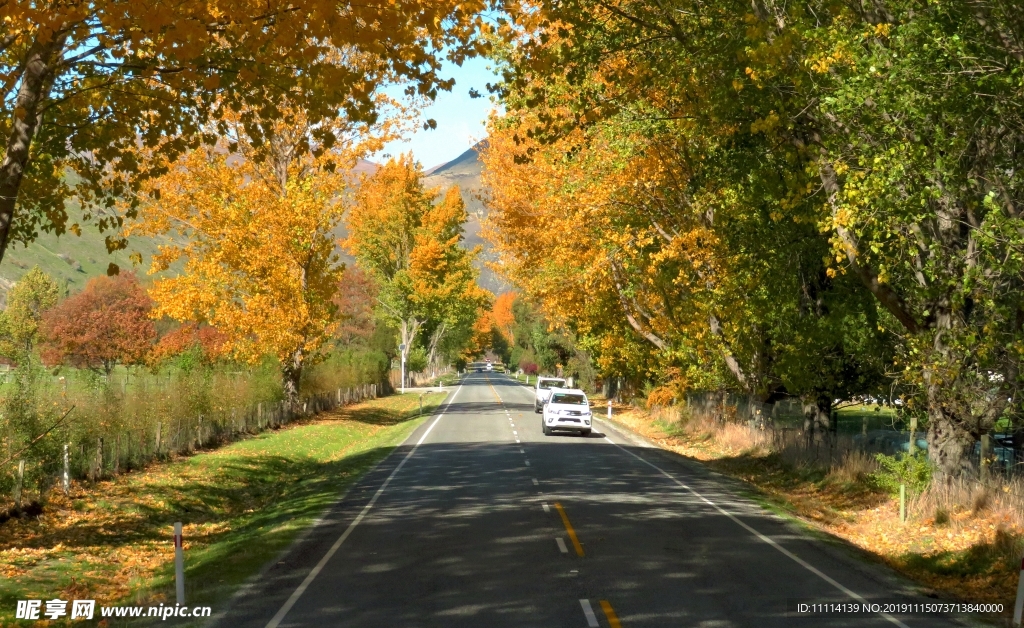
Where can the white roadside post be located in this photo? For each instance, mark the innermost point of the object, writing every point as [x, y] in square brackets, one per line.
[1018, 607]
[609, 408]
[66, 475]
[179, 565]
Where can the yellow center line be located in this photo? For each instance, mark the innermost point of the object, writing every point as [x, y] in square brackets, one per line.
[613, 619]
[568, 528]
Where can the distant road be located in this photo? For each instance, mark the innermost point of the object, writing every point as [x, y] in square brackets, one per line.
[481, 521]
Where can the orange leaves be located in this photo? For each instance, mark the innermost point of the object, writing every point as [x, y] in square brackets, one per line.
[411, 246]
[502, 315]
[254, 232]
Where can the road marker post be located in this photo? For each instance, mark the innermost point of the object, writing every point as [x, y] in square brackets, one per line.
[66, 475]
[179, 564]
[1018, 607]
[609, 408]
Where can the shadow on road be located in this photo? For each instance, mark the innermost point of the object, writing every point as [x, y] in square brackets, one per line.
[459, 538]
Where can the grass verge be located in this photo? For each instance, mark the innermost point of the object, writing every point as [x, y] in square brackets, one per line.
[241, 505]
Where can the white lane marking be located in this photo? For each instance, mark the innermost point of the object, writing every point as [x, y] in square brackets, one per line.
[518, 441]
[515, 432]
[535, 482]
[770, 541]
[588, 611]
[275, 621]
[522, 451]
[561, 545]
[527, 463]
[546, 508]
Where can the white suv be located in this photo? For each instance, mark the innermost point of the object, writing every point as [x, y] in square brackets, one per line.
[567, 409]
[544, 386]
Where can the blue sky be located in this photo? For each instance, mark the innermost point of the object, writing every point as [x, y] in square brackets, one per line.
[460, 119]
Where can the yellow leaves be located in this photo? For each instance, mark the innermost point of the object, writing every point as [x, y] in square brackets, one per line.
[767, 124]
[259, 263]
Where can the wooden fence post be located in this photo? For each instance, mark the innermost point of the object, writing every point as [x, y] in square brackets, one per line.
[99, 457]
[986, 453]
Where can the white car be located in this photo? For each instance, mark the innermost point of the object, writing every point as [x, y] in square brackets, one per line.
[544, 386]
[490, 367]
[567, 409]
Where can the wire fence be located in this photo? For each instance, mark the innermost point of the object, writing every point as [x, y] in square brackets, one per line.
[120, 452]
[995, 462]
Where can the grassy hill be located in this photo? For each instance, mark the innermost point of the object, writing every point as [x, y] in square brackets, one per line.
[70, 259]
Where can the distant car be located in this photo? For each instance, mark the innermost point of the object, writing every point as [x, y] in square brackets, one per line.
[490, 367]
[543, 390]
[567, 409]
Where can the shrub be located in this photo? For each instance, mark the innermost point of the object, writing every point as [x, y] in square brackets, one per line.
[528, 367]
[913, 471]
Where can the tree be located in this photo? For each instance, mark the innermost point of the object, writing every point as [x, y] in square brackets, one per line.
[356, 300]
[84, 84]
[254, 230]
[27, 300]
[879, 144]
[411, 248]
[188, 337]
[106, 324]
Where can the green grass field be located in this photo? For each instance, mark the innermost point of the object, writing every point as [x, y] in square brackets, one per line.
[241, 505]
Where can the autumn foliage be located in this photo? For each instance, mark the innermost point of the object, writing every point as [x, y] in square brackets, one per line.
[254, 232]
[108, 323]
[86, 84]
[410, 245]
[718, 197]
[208, 340]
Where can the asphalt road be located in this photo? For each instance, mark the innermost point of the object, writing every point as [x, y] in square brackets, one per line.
[479, 520]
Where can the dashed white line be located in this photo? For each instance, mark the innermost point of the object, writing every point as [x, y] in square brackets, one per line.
[546, 508]
[535, 482]
[527, 463]
[522, 451]
[588, 611]
[561, 545]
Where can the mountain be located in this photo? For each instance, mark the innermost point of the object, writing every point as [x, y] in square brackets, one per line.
[465, 171]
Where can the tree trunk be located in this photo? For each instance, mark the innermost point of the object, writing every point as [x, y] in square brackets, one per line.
[407, 331]
[36, 83]
[435, 340]
[291, 376]
[817, 417]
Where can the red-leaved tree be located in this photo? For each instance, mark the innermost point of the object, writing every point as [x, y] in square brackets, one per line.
[356, 299]
[105, 324]
[210, 341]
